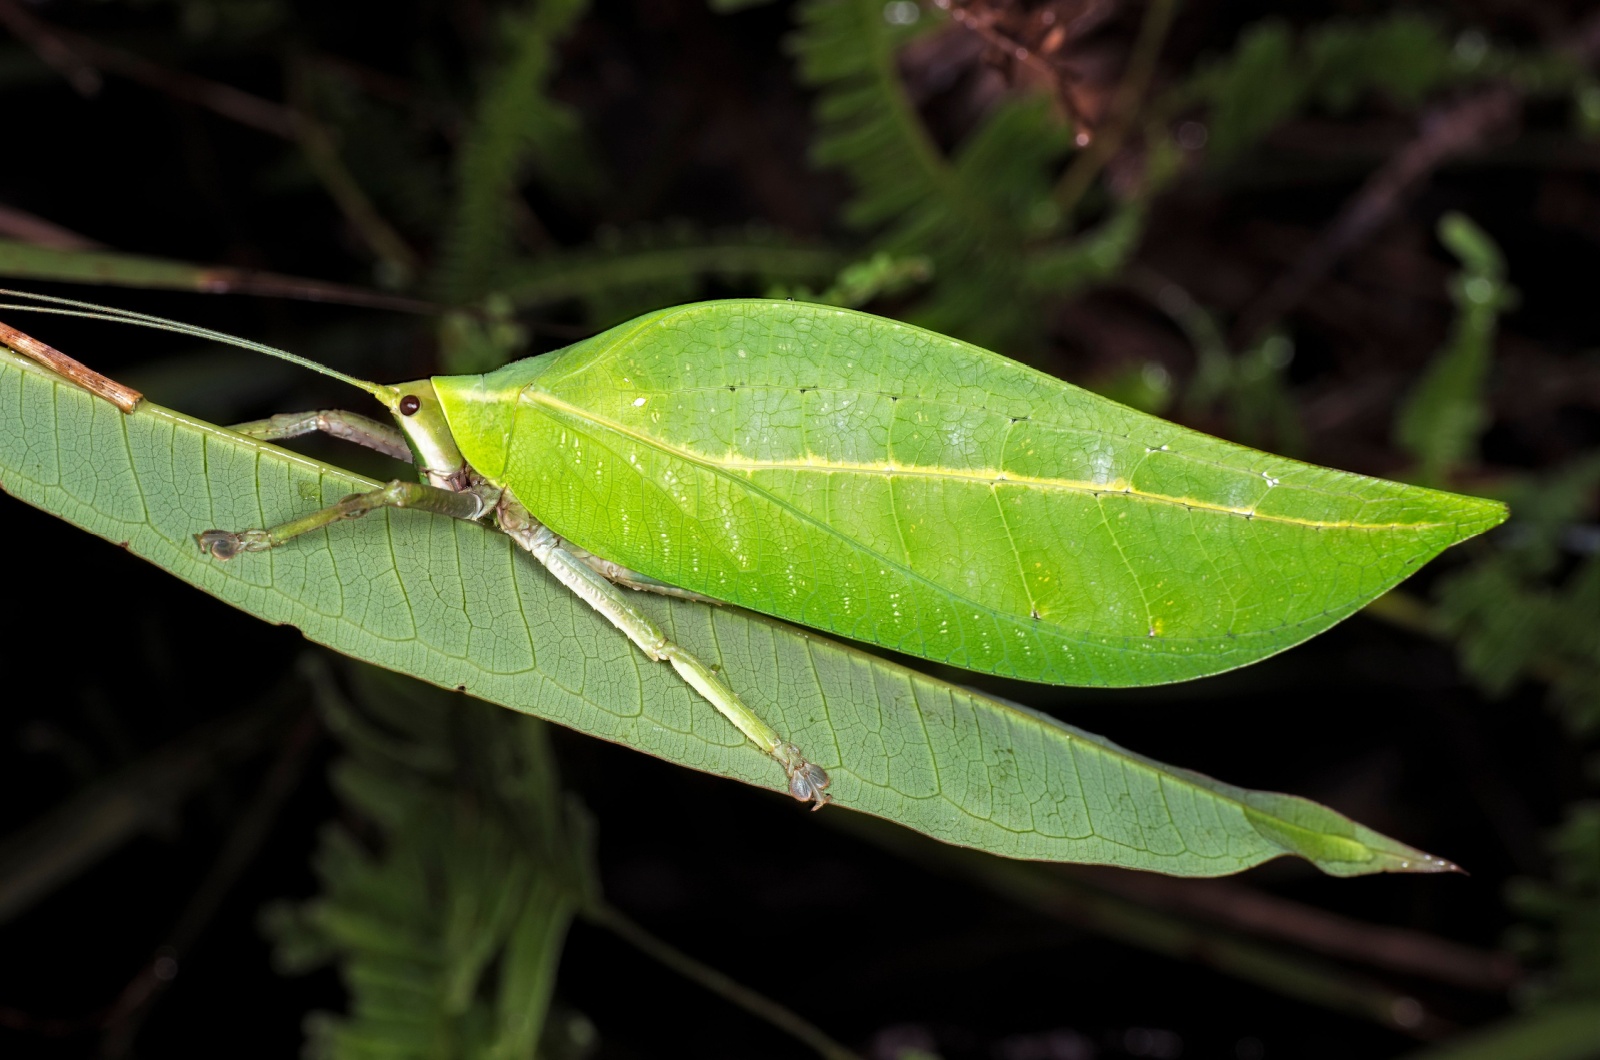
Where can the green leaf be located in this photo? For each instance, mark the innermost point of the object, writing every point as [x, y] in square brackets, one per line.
[457, 605]
[26, 261]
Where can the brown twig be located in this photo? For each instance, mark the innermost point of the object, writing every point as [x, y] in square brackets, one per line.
[220, 280]
[983, 21]
[57, 46]
[1307, 927]
[229, 102]
[982, 24]
[1125, 105]
[1106, 911]
[36, 231]
[124, 397]
[1459, 128]
[1468, 125]
[108, 268]
[51, 49]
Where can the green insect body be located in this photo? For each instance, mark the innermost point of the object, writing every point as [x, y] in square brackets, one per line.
[889, 484]
[885, 483]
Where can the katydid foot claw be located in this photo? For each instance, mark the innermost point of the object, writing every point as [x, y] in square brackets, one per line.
[807, 782]
[226, 544]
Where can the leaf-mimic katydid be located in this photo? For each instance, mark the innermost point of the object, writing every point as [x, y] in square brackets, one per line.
[882, 482]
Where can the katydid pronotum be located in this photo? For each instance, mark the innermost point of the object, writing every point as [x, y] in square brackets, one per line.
[885, 483]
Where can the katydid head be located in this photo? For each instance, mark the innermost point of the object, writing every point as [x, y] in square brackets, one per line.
[414, 406]
[416, 409]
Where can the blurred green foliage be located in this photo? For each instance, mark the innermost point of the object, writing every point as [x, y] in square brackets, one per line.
[1524, 610]
[1274, 73]
[446, 907]
[970, 214]
[1563, 933]
[1441, 420]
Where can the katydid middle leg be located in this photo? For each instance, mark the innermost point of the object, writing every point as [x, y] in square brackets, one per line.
[468, 504]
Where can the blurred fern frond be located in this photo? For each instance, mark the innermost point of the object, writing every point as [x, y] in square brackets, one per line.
[1440, 421]
[628, 272]
[516, 127]
[1527, 609]
[1561, 935]
[1251, 385]
[880, 276]
[971, 214]
[1273, 74]
[447, 906]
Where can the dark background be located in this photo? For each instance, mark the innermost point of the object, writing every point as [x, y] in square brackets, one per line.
[703, 130]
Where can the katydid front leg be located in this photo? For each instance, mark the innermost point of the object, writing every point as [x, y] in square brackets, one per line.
[346, 426]
[807, 782]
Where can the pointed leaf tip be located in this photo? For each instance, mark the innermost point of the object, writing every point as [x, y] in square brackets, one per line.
[1331, 841]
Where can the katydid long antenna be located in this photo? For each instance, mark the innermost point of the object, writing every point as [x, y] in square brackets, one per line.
[68, 307]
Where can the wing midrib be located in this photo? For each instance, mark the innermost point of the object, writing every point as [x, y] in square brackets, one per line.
[982, 476]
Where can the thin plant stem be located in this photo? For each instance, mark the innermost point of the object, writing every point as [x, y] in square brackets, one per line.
[618, 923]
[322, 155]
[1125, 104]
[81, 61]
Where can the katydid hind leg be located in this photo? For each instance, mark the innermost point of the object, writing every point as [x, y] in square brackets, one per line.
[346, 426]
[808, 782]
[225, 544]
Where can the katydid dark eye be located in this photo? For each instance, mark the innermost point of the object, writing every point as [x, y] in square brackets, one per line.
[410, 404]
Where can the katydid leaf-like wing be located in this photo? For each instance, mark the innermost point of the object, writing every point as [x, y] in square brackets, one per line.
[878, 481]
[457, 604]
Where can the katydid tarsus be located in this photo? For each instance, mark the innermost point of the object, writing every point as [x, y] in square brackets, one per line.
[882, 482]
